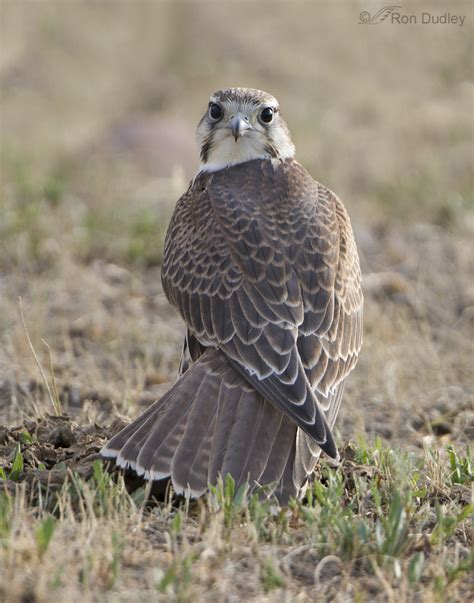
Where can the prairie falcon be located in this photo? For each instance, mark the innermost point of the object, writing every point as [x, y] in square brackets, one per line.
[261, 263]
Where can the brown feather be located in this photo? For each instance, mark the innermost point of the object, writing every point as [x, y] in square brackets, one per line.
[261, 262]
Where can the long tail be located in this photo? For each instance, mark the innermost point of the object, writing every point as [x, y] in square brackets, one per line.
[212, 422]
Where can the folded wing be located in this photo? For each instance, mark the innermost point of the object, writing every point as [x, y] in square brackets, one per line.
[263, 266]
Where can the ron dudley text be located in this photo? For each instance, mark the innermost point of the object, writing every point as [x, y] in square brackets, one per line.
[426, 18]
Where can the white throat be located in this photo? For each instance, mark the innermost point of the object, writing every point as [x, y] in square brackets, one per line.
[225, 151]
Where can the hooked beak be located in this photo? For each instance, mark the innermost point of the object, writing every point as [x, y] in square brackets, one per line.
[238, 124]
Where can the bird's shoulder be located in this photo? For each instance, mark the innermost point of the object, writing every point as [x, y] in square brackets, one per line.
[256, 207]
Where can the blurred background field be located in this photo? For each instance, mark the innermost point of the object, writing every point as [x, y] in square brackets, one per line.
[99, 107]
[99, 103]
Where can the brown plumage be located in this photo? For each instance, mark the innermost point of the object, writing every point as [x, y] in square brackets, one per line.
[261, 263]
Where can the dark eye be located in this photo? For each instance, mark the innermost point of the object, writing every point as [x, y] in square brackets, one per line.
[215, 111]
[267, 115]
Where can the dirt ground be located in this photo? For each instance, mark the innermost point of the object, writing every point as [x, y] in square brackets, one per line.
[98, 110]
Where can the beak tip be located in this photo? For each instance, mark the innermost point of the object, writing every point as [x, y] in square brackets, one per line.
[238, 126]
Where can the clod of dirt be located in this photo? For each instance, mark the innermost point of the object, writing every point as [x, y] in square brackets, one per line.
[52, 447]
[62, 437]
[3, 435]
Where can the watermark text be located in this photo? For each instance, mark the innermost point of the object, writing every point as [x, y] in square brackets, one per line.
[396, 15]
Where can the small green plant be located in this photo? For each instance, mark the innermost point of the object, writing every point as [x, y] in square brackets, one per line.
[17, 465]
[26, 438]
[391, 532]
[464, 566]
[446, 525]
[224, 496]
[44, 533]
[176, 580]
[461, 468]
[415, 567]
[117, 551]
[260, 516]
[101, 493]
[176, 524]
[5, 516]
[271, 577]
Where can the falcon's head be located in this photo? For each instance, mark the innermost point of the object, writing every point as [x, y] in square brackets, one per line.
[242, 124]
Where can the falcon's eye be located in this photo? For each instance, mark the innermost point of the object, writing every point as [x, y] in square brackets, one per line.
[215, 111]
[267, 115]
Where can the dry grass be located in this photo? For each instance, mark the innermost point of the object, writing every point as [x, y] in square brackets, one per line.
[98, 108]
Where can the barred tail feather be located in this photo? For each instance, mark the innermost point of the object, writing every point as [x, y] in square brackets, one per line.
[212, 423]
